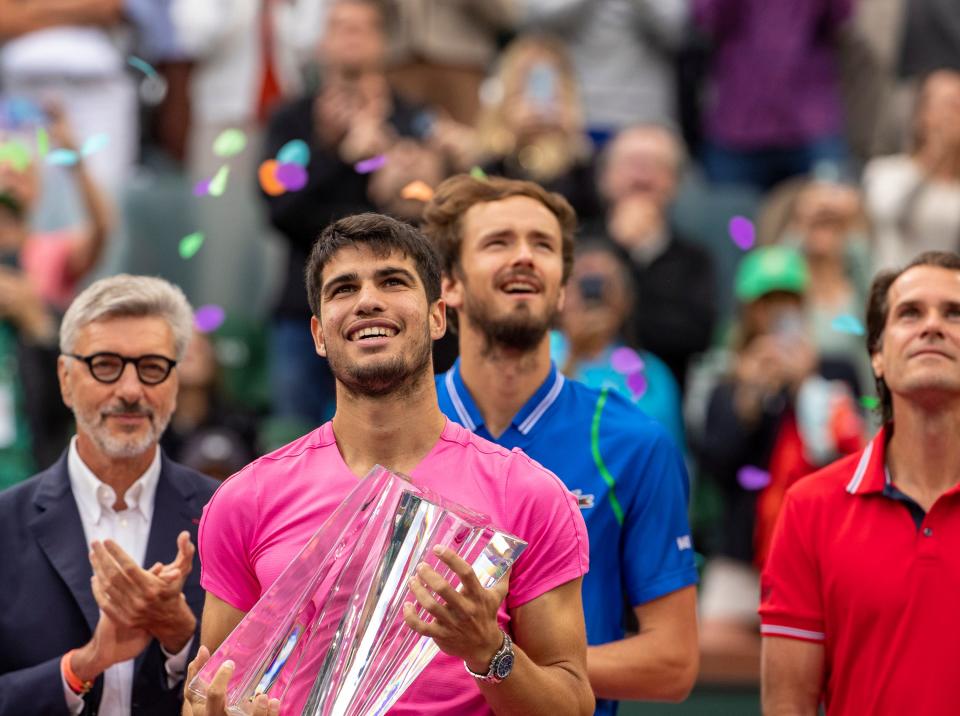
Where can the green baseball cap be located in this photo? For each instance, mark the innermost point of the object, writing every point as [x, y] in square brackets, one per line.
[768, 269]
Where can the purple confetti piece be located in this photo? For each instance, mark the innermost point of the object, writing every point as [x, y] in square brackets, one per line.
[292, 176]
[637, 383]
[626, 361]
[208, 318]
[201, 188]
[742, 232]
[370, 165]
[752, 478]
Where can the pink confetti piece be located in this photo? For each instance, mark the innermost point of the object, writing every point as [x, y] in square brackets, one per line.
[208, 318]
[752, 478]
[201, 188]
[626, 361]
[637, 383]
[367, 166]
[293, 176]
[742, 232]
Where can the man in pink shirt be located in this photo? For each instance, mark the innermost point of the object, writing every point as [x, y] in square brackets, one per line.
[374, 289]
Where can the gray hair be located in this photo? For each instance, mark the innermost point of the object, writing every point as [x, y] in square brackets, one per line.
[124, 296]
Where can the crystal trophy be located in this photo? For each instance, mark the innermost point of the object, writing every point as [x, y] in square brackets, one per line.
[328, 636]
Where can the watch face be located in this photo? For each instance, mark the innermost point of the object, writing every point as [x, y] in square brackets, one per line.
[504, 666]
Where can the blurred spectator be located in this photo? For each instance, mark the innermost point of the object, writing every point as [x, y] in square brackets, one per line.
[623, 54]
[775, 108]
[590, 346]
[931, 37]
[353, 116]
[73, 53]
[782, 411]
[914, 199]
[39, 273]
[675, 286]
[205, 433]
[534, 130]
[242, 64]
[408, 161]
[828, 225]
[440, 51]
[56, 261]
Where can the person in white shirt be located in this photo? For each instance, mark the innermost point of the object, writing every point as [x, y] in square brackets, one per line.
[99, 601]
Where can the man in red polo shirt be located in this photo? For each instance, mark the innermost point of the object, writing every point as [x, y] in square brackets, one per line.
[860, 594]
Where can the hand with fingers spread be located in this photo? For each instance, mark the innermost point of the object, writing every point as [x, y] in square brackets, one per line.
[148, 599]
[464, 622]
[215, 702]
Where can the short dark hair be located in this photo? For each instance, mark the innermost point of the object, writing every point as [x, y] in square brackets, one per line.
[443, 215]
[381, 234]
[878, 308]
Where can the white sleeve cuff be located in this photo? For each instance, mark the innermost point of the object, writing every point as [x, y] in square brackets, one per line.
[74, 701]
[176, 664]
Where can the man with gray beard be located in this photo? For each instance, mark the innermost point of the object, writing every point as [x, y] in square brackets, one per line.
[85, 628]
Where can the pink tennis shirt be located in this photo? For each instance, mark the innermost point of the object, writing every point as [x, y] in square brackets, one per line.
[260, 519]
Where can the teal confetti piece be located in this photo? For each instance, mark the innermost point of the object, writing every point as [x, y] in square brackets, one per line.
[295, 151]
[845, 323]
[63, 157]
[95, 144]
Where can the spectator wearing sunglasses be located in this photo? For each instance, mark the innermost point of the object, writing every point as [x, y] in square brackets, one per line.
[101, 598]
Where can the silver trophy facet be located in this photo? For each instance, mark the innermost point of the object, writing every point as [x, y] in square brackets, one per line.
[328, 637]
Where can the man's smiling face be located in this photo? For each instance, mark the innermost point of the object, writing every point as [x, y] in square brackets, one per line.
[509, 282]
[376, 326]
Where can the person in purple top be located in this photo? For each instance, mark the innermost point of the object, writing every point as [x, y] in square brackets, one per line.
[774, 107]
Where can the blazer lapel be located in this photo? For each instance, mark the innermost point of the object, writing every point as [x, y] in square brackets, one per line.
[59, 532]
[171, 515]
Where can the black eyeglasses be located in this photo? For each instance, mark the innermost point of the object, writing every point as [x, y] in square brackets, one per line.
[108, 367]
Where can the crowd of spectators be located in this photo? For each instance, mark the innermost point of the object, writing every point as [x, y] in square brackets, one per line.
[740, 169]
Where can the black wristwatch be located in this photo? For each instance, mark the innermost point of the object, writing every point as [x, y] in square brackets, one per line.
[500, 665]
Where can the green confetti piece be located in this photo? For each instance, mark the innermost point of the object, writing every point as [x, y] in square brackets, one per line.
[870, 402]
[15, 153]
[43, 142]
[190, 244]
[478, 173]
[218, 184]
[229, 142]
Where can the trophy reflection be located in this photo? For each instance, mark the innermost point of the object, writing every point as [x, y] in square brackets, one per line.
[328, 637]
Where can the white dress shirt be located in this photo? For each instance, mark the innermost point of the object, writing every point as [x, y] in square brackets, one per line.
[129, 528]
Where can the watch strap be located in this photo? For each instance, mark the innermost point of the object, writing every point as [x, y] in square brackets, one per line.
[491, 676]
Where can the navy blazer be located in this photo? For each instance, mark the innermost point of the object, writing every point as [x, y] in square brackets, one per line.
[46, 603]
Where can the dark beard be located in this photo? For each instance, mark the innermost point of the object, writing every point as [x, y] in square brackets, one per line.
[399, 375]
[521, 331]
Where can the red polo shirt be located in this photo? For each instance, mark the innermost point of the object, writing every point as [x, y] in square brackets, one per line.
[849, 568]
